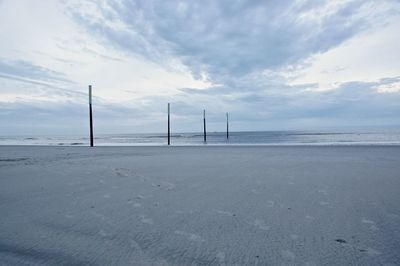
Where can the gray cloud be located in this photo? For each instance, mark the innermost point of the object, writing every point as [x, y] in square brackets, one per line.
[352, 101]
[39, 117]
[22, 70]
[352, 104]
[227, 39]
[39, 81]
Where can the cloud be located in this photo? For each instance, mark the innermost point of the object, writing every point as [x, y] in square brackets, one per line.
[271, 64]
[25, 70]
[21, 79]
[70, 117]
[226, 39]
[350, 104]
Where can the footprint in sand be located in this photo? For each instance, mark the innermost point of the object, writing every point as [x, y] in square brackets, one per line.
[310, 218]
[165, 185]
[261, 224]
[371, 224]
[225, 213]
[294, 236]
[104, 233]
[270, 203]
[322, 191]
[144, 219]
[373, 252]
[368, 251]
[190, 236]
[367, 221]
[123, 172]
[288, 255]
[221, 258]
[309, 263]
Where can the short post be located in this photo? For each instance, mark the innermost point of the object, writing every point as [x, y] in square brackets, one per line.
[204, 126]
[169, 129]
[227, 126]
[90, 115]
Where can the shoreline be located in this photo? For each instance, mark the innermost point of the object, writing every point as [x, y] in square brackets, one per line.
[364, 144]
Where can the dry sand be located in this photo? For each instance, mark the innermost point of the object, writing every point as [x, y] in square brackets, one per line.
[200, 205]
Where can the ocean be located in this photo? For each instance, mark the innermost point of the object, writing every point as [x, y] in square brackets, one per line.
[382, 137]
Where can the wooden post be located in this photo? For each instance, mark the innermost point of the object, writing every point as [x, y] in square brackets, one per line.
[204, 126]
[227, 126]
[169, 129]
[90, 115]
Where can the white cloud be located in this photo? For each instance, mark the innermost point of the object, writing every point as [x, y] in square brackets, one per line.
[368, 57]
[389, 88]
[42, 34]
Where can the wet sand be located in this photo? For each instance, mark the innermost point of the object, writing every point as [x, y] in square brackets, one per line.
[332, 205]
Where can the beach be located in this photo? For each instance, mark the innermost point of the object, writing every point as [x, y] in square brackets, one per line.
[200, 205]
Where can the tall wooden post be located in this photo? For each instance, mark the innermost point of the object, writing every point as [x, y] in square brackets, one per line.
[227, 126]
[204, 126]
[90, 115]
[169, 128]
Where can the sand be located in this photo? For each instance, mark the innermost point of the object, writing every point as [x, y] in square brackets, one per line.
[200, 205]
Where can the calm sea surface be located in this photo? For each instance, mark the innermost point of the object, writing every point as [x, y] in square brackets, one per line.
[385, 137]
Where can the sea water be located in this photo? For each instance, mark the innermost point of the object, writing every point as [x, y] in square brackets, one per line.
[383, 137]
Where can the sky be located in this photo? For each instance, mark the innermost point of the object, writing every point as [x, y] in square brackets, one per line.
[273, 65]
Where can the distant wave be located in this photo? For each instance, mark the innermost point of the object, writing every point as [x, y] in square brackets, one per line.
[195, 136]
[70, 144]
[217, 138]
[163, 136]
